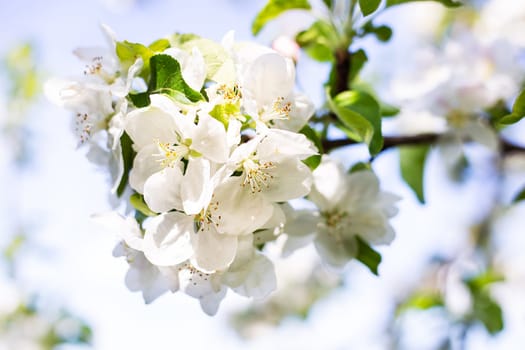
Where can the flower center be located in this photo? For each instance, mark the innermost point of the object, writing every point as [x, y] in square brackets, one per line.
[231, 94]
[83, 126]
[206, 217]
[256, 174]
[279, 110]
[96, 68]
[457, 119]
[336, 222]
[171, 153]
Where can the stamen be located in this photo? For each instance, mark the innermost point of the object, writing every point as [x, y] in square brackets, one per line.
[256, 175]
[230, 94]
[95, 67]
[83, 127]
[171, 153]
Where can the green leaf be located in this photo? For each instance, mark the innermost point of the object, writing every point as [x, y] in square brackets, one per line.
[128, 53]
[137, 201]
[313, 136]
[140, 100]
[447, 3]
[224, 112]
[367, 255]
[383, 33]
[369, 6]
[387, 110]
[486, 310]
[319, 41]
[360, 112]
[483, 280]
[422, 300]
[159, 45]
[166, 77]
[312, 161]
[518, 112]
[179, 39]
[14, 246]
[273, 9]
[520, 196]
[128, 154]
[412, 163]
[357, 62]
[359, 167]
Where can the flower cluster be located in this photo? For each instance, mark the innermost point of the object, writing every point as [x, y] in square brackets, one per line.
[207, 138]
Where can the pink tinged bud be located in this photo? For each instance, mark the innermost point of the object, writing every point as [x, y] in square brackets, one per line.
[287, 47]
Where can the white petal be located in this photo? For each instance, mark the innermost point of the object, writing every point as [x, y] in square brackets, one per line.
[302, 109]
[372, 225]
[278, 144]
[210, 303]
[299, 229]
[147, 125]
[143, 276]
[213, 251]
[196, 187]
[291, 179]
[330, 184]
[270, 76]
[126, 227]
[483, 134]
[362, 191]
[209, 139]
[332, 251]
[167, 241]
[146, 163]
[240, 211]
[162, 190]
[260, 279]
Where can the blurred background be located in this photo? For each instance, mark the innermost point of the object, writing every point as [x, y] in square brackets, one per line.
[58, 265]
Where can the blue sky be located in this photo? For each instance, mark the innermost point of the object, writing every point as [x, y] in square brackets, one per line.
[69, 260]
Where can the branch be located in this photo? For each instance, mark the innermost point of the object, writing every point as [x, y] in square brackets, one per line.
[428, 138]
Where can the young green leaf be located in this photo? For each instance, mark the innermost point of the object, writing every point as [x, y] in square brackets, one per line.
[518, 112]
[312, 161]
[447, 3]
[140, 100]
[166, 77]
[273, 9]
[159, 45]
[360, 112]
[359, 167]
[486, 310]
[357, 62]
[367, 255]
[319, 41]
[383, 33]
[422, 300]
[356, 127]
[369, 6]
[128, 154]
[412, 163]
[520, 196]
[137, 201]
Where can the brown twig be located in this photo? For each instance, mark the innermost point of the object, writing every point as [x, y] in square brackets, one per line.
[430, 138]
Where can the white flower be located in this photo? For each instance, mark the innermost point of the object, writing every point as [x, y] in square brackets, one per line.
[349, 205]
[163, 136]
[271, 165]
[269, 97]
